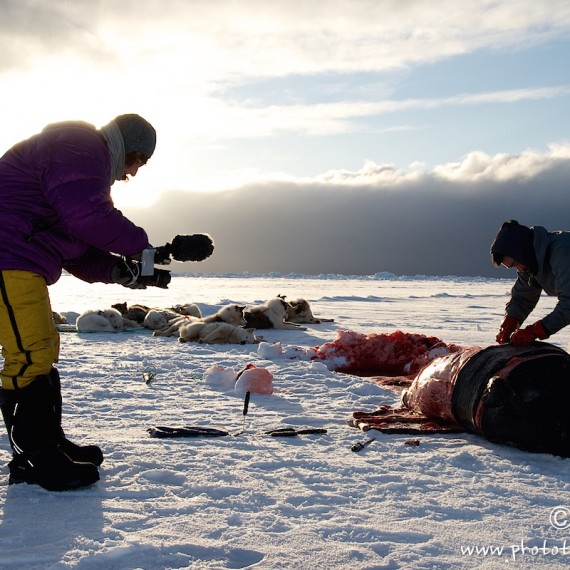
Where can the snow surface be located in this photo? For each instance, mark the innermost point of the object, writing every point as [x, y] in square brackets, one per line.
[306, 502]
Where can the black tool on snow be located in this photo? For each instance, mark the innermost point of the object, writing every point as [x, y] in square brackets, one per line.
[148, 375]
[290, 432]
[245, 410]
[185, 431]
[246, 404]
[362, 444]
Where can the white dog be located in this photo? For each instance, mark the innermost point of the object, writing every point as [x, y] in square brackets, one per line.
[109, 320]
[157, 319]
[299, 311]
[189, 309]
[232, 314]
[270, 315]
[216, 333]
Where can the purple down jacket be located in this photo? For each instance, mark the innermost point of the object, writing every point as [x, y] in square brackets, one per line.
[56, 209]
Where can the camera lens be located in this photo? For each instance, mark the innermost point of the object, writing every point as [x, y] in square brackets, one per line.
[160, 278]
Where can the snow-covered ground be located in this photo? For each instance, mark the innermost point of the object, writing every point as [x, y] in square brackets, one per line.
[305, 502]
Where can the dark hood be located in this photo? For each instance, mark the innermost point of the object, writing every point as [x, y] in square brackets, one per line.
[516, 241]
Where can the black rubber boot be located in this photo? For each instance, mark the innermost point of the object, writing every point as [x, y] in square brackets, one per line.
[80, 453]
[20, 471]
[30, 419]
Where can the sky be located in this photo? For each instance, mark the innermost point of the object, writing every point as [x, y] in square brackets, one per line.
[399, 135]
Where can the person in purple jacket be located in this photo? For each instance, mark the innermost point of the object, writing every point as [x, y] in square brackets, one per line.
[56, 213]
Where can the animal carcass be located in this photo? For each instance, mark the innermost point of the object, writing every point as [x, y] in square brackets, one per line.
[513, 395]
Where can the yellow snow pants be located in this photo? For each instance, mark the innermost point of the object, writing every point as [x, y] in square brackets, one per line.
[29, 338]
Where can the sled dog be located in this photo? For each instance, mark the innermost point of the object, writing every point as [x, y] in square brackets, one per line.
[216, 333]
[299, 311]
[133, 312]
[159, 318]
[58, 318]
[109, 320]
[138, 313]
[232, 314]
[189, 309]
[270, 315]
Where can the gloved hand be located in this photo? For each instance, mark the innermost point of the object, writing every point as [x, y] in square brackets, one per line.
[508, 326]
[127, 272]
[524, 337]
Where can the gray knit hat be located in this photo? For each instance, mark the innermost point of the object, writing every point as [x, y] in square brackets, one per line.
[138, 134]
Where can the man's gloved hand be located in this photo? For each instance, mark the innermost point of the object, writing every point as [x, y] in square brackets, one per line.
[508, 327]
[524, 337]
[127, 272]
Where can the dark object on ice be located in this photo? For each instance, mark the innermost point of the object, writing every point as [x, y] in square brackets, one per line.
[401, 420]
[148, 375]
[245, 406]
[513, 395]
[197, 431]
[362, 444]
[246, 403]
[518, 396]
[290, 432]
[186, 431]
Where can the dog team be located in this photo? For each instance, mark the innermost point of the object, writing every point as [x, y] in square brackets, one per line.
[231, 324]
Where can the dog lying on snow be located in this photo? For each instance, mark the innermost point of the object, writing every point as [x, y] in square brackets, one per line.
[139, 313]
[270, 315]
[299, 311]
[231, 314]
[108, 320]
[158, 319]
[58, 318]
[216, 333]
[134, 312]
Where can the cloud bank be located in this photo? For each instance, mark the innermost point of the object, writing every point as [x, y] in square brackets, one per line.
[374, 220]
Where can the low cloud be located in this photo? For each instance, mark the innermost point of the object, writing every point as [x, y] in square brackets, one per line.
[376, 220]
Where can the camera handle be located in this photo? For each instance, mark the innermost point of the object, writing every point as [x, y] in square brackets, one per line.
[147, 261]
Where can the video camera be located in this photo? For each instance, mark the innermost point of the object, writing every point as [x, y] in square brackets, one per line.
[195, 247]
